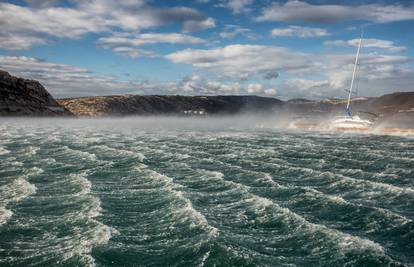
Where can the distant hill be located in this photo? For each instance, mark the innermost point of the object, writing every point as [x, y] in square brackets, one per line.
[396, 108]
[399, 104]
[21, 97]
[170, 105]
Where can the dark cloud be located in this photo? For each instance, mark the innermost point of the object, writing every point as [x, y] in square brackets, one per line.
[178, 14]
[42, 3]
[271, 75]
[300, 11]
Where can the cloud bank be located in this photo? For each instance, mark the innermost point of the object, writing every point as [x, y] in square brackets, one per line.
[37, 24]
[300, 11]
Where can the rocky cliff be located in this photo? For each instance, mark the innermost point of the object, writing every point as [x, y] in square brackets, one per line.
[21, 97]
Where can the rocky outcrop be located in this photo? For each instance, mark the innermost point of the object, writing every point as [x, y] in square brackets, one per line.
[21, 97]
[169, 105]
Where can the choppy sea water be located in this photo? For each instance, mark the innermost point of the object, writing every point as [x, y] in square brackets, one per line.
[205, 193]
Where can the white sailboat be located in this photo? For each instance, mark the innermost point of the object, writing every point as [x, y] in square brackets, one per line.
[350, 121]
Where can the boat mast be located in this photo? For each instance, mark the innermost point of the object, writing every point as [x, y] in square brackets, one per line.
[348, 111]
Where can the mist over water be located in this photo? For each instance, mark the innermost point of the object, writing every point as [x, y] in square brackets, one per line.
[231, 191]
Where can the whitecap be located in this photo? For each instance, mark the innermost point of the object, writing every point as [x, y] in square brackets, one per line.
[5, 215]
[17, 190]
[4, 151]
[80, 178]
[188, 210]
[81, 154]
[345, 242]
[13, 192]
[31, 150]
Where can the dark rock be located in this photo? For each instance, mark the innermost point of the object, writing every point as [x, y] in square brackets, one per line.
[21, 97]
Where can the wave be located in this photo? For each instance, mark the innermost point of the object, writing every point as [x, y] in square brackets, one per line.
[101, 233]
[305, 229]
[4, 151]
[266, 209]
[80, 179]
[16, 191]
[205, 198]
[81, 154]
[116, 152]
[310, 191]
[67, 231]
[261, 203]
[5, 215]
[188, 209]
[346, 239]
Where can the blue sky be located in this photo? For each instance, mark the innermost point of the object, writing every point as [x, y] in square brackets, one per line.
[283, 49]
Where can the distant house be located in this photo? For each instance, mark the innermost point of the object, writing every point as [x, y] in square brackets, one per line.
[196, 112]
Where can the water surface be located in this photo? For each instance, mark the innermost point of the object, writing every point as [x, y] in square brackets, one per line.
[171, 192]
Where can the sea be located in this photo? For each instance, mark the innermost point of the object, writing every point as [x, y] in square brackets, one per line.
[202, 192]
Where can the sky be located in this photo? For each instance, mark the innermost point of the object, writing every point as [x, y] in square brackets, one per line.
[283, 49]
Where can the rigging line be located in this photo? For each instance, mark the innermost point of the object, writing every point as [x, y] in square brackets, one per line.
[358, 78]
[358, 74]
[357, 68]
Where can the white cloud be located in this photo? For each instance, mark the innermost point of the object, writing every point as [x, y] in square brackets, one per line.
[242, 60]
[305, 84]
[188, 83]
[236, 6]
[300, 11]
[133, 52]
[195, 85]
[67, 81]
[255, 88]
[270, 92]
[224, 88]
[303, 75]
[369, 43]
[94, 16]
[11, 42]
[127, 44]
[378, 73]
[63, 80]
[302, 32]
[149, 38]
[231, 31]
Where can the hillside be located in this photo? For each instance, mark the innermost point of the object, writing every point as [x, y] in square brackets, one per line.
[169, 105]
[397, 106]
[21, 97]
